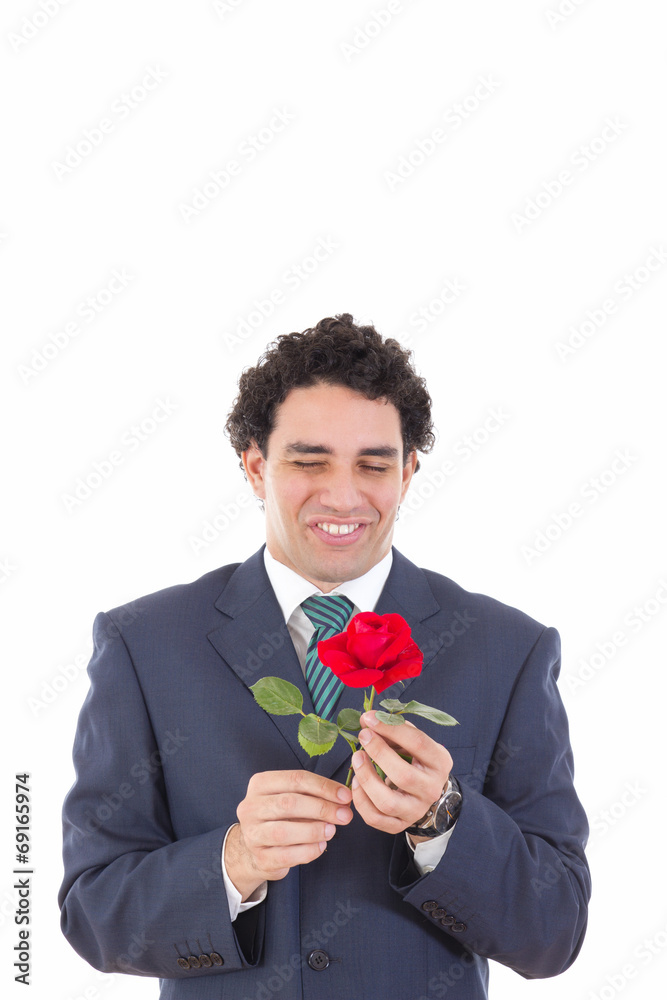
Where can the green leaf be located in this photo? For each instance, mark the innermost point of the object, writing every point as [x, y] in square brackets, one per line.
[319, 731]
[348, 718]
[392, 704]
[393, 720]
[368, 702]
[277, 696]
[315, 749]
[432, 714]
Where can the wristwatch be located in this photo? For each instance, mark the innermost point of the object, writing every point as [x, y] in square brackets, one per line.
[442, 814]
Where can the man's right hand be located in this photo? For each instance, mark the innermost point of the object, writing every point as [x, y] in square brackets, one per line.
[286, 819]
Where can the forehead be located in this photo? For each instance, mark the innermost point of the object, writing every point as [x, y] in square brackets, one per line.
[336, 416]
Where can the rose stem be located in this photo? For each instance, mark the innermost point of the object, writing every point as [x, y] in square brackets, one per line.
[348, 780]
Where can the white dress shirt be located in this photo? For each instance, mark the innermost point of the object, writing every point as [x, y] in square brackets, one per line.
[291, 590]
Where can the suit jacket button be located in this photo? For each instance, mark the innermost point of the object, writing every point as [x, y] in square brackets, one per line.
[448, 920]
[429, 905]
[194, 962]
[216, 959]
[438, 913]
[205, 961]
[318, 960]
[458, 927]
[183, 962]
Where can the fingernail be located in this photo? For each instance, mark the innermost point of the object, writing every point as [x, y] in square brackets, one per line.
[342, 815]
[369, 719]
[357, 759]
[364, 737]
[343, 794]
[355, 782]
[323, 845]
[329, 831]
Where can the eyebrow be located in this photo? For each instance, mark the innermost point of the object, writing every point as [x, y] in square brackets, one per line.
[304, 448]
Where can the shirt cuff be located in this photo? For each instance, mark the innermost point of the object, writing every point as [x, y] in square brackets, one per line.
[233, 895]
[428, 853]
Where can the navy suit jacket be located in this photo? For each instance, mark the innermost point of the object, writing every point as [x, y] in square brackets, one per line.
[169, 736]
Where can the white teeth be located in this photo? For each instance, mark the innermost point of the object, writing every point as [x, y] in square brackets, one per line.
[337, 529]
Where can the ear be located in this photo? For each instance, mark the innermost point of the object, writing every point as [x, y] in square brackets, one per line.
[254, 464]
[408, 472]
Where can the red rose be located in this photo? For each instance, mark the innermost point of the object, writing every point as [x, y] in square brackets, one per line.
[376, 650]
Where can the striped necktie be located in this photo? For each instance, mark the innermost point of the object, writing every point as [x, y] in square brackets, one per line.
[329, 614]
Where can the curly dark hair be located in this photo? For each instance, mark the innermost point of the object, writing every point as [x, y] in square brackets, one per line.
[335, 352]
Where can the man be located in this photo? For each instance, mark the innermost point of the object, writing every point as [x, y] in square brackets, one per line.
[205, 847]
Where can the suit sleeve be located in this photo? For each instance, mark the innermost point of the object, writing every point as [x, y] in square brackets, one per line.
[514, 884]
[134, 898]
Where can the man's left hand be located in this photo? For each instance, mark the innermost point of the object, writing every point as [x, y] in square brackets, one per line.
[413, 788]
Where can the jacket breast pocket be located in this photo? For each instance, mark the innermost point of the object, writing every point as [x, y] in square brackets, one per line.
[464, 760]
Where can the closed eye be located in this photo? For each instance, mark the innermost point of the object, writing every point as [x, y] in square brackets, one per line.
[317, 465]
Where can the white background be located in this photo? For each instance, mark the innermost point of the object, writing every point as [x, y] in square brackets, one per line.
[167, 340]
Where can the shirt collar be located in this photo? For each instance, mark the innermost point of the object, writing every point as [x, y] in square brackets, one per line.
[291, 589]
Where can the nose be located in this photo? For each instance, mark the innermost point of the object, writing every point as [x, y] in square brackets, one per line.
[340, 492]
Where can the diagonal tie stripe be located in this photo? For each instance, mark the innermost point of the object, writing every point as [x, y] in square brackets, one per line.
[330, 615]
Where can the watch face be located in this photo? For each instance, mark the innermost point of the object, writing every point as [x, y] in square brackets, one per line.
[447, 811]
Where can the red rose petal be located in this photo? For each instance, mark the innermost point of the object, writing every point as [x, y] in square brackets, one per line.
[368, 648]
[365, 621]
[392, 651]
[361, 678]
[400, 672]
[375, 650]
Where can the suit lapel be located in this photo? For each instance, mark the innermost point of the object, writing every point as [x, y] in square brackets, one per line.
[254, 642]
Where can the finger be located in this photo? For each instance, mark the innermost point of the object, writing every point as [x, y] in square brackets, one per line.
[287, 834]
[425, 783]
[303, 782]
[293, 806]
[371, 815]
[275, 862]
[390, 802]
[409, 739]
[247, 866]
[379, 750]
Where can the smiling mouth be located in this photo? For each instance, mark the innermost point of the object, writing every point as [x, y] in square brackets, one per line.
[338, 535]
[337, 529]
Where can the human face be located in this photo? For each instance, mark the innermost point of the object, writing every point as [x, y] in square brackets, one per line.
[331, 482]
